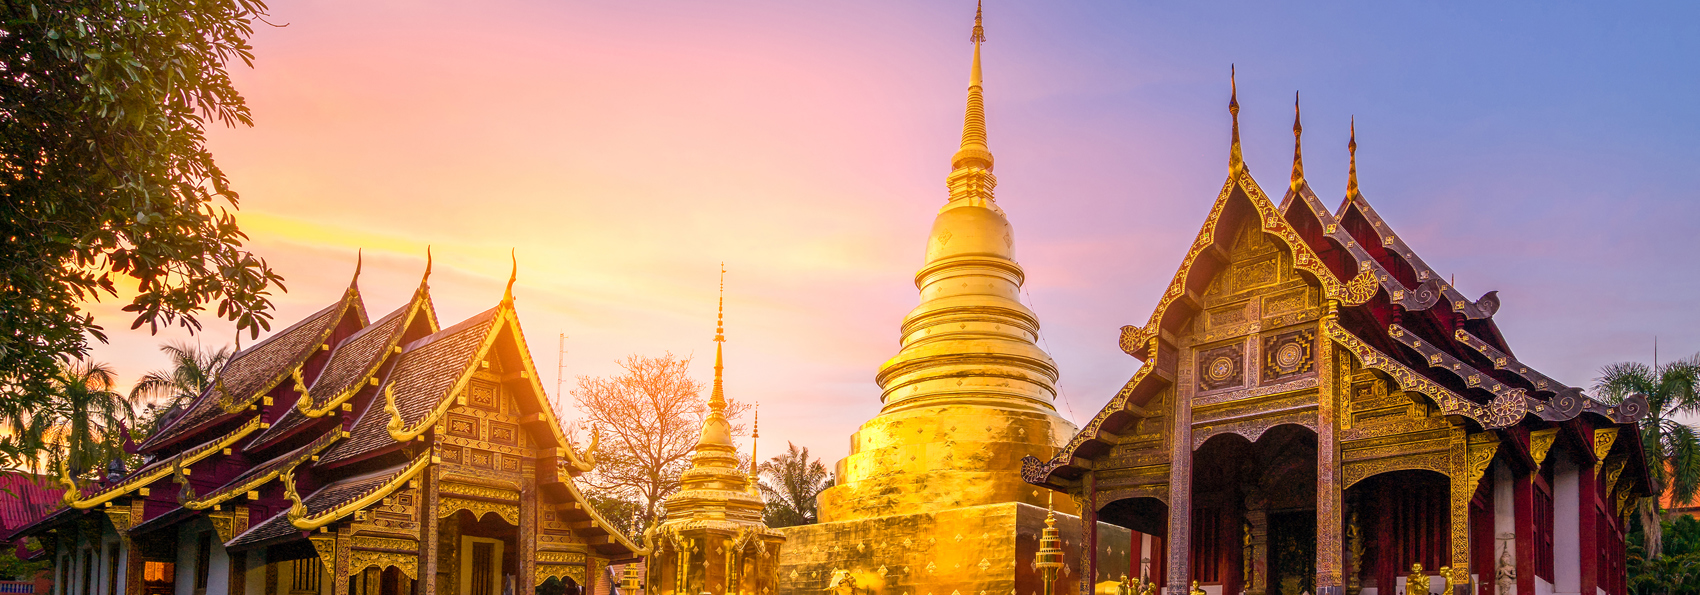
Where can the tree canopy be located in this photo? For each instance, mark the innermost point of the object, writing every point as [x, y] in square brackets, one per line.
[109, 187]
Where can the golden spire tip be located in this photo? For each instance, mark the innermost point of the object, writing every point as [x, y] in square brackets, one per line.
[359, 261]
[1352, 168]
[427, 276]
[513, 274]
[1236, 162]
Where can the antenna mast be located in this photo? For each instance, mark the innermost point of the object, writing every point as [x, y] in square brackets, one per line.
[560, 372]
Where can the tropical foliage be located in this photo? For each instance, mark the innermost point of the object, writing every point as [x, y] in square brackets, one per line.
[790, 482]
[1672, 447]
[1676, 571]
[78, 425]
[168, 390]
[106, 177]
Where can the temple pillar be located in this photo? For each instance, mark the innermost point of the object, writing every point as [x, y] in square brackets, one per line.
[1523, 503]
[1179, 541]
[1567, 515]
[1330, 550]
[339, 573]
[238, 573]
[1089, 534]
[1462, 489]
[1587, 523]
[429, 525]
[1257, 549]
[1504, 522]
[527, 534]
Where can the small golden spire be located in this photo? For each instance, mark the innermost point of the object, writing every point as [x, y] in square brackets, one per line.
[1352, 169]
[974, 151]
[755, 432]
[508, 295]
[717, 399]
[1298, 154]
[1236, 162]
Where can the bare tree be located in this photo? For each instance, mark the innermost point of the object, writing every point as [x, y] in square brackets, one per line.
[650, 416]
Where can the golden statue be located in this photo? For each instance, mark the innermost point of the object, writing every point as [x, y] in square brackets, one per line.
[1196, 590]
[1416, 582]
[1147, 586]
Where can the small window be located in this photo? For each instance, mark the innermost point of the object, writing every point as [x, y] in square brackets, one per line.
[305, 575]
[203, 560]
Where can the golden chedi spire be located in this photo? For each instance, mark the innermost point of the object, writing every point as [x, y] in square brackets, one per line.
[715, 489]
[968, 360]
[1352, 168]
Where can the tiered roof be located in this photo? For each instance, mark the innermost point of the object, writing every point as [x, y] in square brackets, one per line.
[1394, 312]
[326, 407]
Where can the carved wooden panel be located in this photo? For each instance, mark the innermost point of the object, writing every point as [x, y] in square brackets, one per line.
[478, 457]
[450, 454]
[504, 433]
[1222, 367]
[464, 426]
[483, 395]
[1289, 354]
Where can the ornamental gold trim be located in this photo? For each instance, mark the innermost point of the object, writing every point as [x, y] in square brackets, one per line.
[1540, 443]
[360, 560]
[188, 457]
[398, 427]
[309, 523]
[1604, 438]
[449, 505]
[221, 496]
[325, 545]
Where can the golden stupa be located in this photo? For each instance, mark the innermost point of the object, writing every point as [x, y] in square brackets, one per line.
[930, 499]
[713, 540]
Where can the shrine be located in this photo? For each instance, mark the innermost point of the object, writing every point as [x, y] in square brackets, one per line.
[342, 455]
[1319, 411]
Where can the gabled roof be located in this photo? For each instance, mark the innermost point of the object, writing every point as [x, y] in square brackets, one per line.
[254, 371]
[260, 475]
[1315, 257]
[26, 498]
[164, 467]
[354, 361]
[336, 499]
[421, 386]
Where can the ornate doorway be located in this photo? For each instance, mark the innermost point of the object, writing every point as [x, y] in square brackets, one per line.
[1292, 552]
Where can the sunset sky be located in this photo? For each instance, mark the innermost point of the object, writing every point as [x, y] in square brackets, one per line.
[624, 149]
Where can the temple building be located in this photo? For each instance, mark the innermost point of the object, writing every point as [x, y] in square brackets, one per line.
[1319, 411]
[342, 455]
[929, 499]
[713, 539]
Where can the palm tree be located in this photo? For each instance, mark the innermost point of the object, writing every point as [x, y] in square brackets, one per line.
[1672, 447]
[790, 483]
[192, 370]
[78, 424]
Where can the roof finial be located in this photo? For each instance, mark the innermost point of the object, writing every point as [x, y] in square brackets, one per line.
[359, 261]
[1236, 163]
[1298, 155]
[717, 399]
[423, 281]
[508, 295]
[974, 151]
[1352, 169]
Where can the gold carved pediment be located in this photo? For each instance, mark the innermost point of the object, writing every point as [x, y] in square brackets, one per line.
[448, 505]
[576, 572]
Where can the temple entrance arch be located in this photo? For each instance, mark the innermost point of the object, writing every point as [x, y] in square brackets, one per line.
[1147, 517]
[1253, 522]
[1395, 519]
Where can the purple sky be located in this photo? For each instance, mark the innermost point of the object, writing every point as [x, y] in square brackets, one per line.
[626, 148]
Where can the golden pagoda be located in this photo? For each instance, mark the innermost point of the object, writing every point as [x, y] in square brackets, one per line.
[931, 496]
[713, 540]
